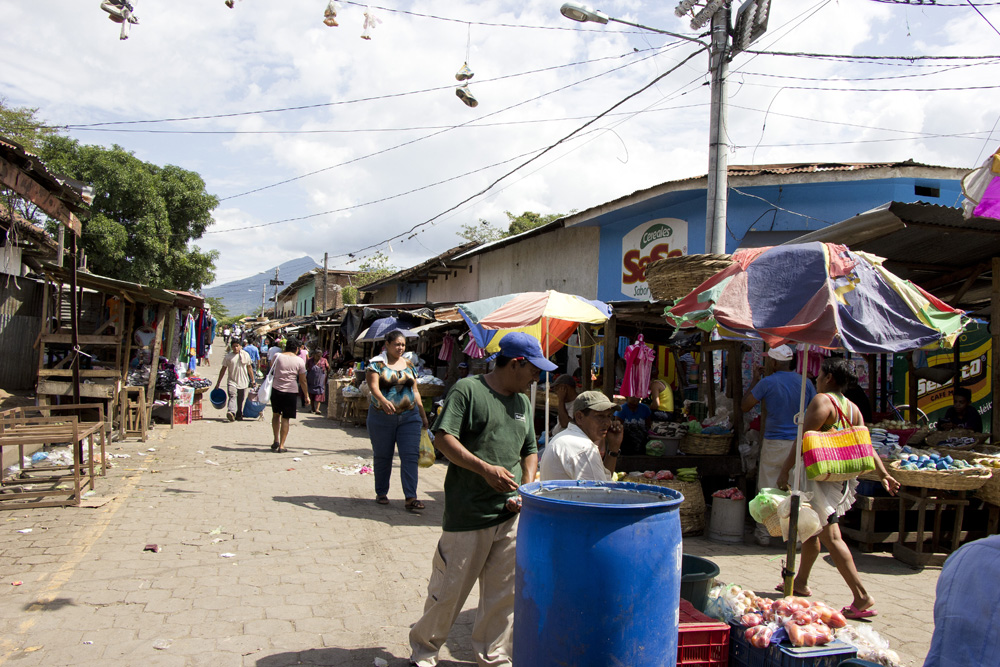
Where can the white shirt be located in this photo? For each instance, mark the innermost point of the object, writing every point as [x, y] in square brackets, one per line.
[572, 455]
[272, 352]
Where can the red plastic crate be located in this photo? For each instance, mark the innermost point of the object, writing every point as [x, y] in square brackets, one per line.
[182, 414]
[701, 641]
[196, 409]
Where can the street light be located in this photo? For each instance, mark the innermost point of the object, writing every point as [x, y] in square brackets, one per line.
[751, 22]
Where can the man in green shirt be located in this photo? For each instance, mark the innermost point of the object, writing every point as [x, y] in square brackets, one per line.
[485, 430]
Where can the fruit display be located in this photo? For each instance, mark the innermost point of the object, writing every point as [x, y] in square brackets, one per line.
[731, 494]
[806, 623]
[654, 476]
[687, 474]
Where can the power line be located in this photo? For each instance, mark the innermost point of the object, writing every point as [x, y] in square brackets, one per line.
[439, 132]
[841, 56]
[983, 16]
[374, 201]
[489, 187]
[933, 3]
[872, 78]
[880, 90]
[320, 105]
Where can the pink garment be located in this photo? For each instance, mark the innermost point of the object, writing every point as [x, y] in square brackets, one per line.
[287, 369]
[447, 348]
[815, 361]
[639, 359]
[473, 350]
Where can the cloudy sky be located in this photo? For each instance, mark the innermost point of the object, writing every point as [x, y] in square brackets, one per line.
[368, 139]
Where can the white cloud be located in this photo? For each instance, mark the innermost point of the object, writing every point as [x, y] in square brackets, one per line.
[196, 57]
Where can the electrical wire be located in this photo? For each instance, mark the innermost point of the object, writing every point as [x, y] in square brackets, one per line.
[437, 133]
[773, 205]
[842, 56]
[553, 146]
[879, 90]
[320, 105]
[374, 201]
[932, 3]
[983, 16]
[872, 78]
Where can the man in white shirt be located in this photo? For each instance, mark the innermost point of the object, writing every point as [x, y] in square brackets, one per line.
[241, 377]
[575, 453]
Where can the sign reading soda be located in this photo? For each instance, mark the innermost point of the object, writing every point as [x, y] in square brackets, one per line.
[650, 241]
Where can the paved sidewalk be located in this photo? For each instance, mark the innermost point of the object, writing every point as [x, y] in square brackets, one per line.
[319, 573]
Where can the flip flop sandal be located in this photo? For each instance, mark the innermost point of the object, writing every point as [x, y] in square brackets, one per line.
[382, 500]
[781, 589]
[281, 450]
[275, 446]
[415, 505]
[856, 614]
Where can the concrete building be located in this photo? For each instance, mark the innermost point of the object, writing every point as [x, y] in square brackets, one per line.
[602, 252]
[305, 295]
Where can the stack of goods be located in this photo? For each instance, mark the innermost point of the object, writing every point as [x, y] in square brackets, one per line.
[711, 437]
[668, 429]
[884, 442]
[664, 438]
[730, 494]
[195, 382]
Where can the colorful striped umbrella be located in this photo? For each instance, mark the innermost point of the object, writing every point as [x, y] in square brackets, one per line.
[821, 294]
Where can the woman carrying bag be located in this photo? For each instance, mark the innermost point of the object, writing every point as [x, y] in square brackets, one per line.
[395, 418]
[830, 411]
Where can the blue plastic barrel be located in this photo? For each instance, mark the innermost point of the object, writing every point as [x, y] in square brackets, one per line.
[598, 575]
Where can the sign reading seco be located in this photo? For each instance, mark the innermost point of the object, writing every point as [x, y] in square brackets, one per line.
[650, 241]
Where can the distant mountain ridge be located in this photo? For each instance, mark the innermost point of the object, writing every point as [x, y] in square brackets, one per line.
[242, 297]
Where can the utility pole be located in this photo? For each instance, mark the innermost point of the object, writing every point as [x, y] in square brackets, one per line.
[263, 296]
[326, 256]
[276, 282]
[718, 144]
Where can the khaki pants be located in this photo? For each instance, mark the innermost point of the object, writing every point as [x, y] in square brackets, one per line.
[462, 558]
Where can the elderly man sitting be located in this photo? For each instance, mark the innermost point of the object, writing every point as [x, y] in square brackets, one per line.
[588, 448]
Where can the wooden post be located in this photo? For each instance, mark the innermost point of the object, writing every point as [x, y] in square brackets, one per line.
[74, 317]
[912, 384]
[872, 381]
[154, 360]
[586, 337]
[610, 355]
[995, 337]
[884, 374]
[736, 384]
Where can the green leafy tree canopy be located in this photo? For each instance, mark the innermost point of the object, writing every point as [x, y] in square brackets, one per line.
[373, 269]
[485, 231]
[143, 215]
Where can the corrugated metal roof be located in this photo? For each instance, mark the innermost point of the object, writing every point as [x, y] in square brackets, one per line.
[423, 267]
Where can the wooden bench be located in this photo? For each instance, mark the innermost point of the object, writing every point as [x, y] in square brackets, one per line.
[866, 509]
[29, 426]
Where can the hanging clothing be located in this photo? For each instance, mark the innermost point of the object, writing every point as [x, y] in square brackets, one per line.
[622, 346]
[473, 350]
[639, 359]
[447, 348]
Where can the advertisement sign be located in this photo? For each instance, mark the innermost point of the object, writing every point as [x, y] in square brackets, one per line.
[934, 399]
[650, 241]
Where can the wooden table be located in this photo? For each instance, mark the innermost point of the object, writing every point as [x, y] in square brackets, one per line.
[923, 499]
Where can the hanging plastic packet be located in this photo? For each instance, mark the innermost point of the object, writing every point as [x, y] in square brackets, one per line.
[466, 96]
[464, 73]
[330, 14]
[371, 21]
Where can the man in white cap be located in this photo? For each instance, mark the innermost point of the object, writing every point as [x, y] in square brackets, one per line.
[779, 390]
[575, 453]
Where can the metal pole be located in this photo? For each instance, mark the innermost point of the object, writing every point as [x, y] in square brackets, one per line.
[788, 572]
[275, 292]
[718, 146]
[263, 297]
[325, 258]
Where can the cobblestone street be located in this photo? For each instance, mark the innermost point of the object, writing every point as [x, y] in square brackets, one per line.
[268, 560]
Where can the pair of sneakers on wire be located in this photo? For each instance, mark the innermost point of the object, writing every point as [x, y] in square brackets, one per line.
[463, 92]
[120, 11]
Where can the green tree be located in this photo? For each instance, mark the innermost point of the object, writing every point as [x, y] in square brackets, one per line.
[218, 308]
[143, 216]
[373, 269]
[485, 231]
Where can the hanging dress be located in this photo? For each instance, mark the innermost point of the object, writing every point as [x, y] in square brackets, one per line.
[639, 359]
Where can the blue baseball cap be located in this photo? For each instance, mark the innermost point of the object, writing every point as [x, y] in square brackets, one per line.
[519, 345]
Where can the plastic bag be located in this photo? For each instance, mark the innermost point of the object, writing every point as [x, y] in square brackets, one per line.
[427, 455]
[808, 523]
[726, 602]
[765, 504]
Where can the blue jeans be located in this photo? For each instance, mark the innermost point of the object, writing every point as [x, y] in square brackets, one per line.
[387, 432]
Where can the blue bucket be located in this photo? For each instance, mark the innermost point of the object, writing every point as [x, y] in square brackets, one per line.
[218, 397]
[598, 575]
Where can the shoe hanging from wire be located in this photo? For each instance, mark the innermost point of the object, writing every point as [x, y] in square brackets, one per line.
[120, 11]
[370, 22]
[465, 73]
[330, 14]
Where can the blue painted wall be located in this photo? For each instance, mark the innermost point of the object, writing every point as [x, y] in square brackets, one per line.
[823, 203]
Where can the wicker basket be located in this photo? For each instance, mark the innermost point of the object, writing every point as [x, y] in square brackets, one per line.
[936, 438]
[673, 277]
[692, 510]
[699, 444]
[965, 479]
[990, 491]
[773, 525]
[969, 454]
